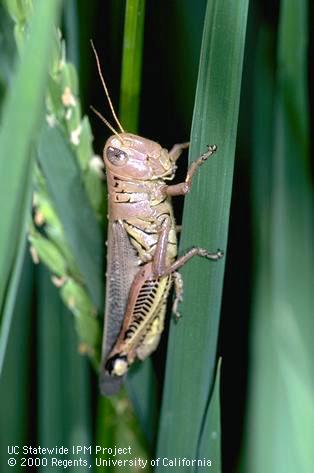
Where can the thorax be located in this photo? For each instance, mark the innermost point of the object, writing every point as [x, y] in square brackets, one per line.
[136, 198]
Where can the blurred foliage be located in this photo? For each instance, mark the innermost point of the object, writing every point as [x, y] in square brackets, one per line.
[150, 54]
[26, 93]
[281, 384]
[55, 236]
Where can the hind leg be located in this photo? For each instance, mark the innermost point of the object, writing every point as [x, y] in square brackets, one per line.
[178, 289]
[196, 251]
[159, 260]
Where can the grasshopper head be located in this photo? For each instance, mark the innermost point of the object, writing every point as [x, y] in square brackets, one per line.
[132, 156]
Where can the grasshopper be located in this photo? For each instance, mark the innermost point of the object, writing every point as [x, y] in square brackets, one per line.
[142, 262]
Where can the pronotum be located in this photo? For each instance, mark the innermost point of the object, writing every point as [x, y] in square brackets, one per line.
[142, 262]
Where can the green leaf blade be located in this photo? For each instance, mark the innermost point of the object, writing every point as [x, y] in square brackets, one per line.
[193, 342]
[132, 64]
[210, 439]
[64, 405]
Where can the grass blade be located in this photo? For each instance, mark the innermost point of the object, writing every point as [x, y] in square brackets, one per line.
[209, 445]
[132, 64]
[256, 442]
[282, 442]
[193, 342]
[141, 385]
[15, 386]
[8, 51]
[62, 373]
[71, 29]
[13, 283]
[281, 393]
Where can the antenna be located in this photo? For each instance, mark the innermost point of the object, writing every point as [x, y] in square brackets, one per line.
[105, 87]
[106, 122]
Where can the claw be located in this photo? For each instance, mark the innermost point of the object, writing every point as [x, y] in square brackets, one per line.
[203, 252]
[213, 256]
[211, 149]
[177, 316]
[220, 254]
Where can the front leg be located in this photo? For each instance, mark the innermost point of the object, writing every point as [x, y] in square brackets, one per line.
[184, 187]
[176, 150]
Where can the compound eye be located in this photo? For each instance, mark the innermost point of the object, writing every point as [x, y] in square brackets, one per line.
[116, 156]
